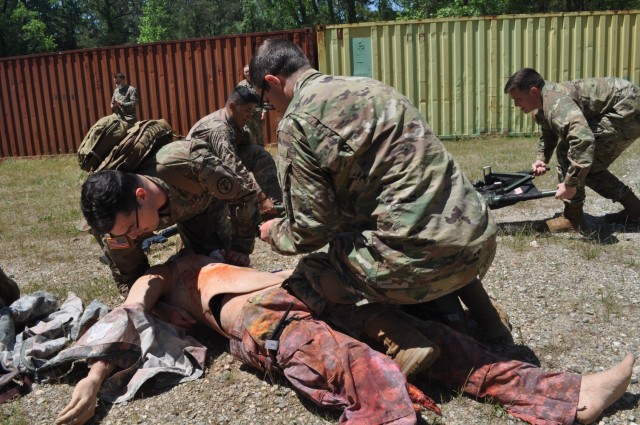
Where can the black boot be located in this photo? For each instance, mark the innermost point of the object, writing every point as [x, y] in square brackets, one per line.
[631, 211]
[9, 290]
[495, 326]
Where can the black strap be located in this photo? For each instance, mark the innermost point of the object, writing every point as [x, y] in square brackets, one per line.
[272, 344]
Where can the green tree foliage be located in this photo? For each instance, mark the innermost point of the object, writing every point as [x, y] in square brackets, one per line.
[267, 15]
[109, 22]
[22, 31]
[205, 18]
[156, 23]
[31, 26]
[420, 9]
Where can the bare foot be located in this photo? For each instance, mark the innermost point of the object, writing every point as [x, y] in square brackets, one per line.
[600, 390]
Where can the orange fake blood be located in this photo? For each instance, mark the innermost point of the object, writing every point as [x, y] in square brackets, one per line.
[421, 401]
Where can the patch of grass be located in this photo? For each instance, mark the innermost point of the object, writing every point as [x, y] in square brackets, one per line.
[40, 202]
[498, 410]
[587, 248]
[13, 414]
[519, 239]
[101, 288]
[631, 261]
[610, 304]
[502, 154]
[430, 419]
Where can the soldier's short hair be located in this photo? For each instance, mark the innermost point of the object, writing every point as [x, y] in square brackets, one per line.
[105, 194]
[242, 95]
[119, 75]
[523, 80]
[276, 56]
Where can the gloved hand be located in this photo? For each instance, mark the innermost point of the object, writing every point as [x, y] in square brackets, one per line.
[235, 258]
[217, 255]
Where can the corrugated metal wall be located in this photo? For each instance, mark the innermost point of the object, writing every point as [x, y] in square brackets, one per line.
[455, 69]
[49, 101]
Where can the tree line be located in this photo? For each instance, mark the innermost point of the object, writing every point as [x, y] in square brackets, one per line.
[37, 26]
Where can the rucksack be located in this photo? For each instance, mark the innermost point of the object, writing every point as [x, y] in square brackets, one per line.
[102, 137]
[143, 139]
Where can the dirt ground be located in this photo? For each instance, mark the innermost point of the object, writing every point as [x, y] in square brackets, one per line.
[574, 304]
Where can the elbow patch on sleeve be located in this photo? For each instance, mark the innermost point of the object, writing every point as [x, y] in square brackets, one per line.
[221, 183]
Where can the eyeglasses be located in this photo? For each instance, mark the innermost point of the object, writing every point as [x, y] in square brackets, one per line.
[133, 233]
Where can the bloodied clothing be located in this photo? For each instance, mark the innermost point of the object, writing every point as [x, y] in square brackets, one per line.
[526, 391]
[233, 145]
[213, 207]
[326, 366]
[362, 170]
[127, 96]
[589, 123]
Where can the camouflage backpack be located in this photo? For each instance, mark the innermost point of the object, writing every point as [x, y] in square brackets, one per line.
[106, 133]
[143, 139]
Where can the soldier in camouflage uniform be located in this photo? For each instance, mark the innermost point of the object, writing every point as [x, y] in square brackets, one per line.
[124, 99]
[226, 132]
[589, 123]
[256, 123]
[184, 184]
[335, 371]
[360, 169]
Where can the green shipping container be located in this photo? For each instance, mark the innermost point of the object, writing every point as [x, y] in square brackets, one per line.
[455, 69]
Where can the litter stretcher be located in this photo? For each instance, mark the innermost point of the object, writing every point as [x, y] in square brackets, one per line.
[504, 189]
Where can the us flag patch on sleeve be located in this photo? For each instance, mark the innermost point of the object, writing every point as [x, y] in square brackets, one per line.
[118, 243]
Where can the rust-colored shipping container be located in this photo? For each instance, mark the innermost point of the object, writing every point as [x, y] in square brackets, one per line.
[50, 101]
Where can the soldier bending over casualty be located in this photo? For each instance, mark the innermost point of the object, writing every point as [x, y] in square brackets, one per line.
[268, 328]
[362, 171]
[183, 183]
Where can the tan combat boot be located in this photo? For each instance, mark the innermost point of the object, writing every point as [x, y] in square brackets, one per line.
[572, 220]
[408, 347]
[631, 211]
[493, 322]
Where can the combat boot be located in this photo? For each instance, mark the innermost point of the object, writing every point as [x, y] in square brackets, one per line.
[493, 322]
[408, 347]
[631, 211]
[571, 220]
[9, 290]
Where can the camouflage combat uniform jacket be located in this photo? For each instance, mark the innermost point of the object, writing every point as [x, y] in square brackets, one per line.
[128, 98]
[202, 193]
[235, 148]
[586, 119]
[224, 136]
[360, 168]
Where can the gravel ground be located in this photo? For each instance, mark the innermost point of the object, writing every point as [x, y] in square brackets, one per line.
[574, 305]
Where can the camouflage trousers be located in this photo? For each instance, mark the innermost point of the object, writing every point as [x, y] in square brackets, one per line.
[525, 391]
[200, 234]
[614, 132]
[328, 367]
[263, 167]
